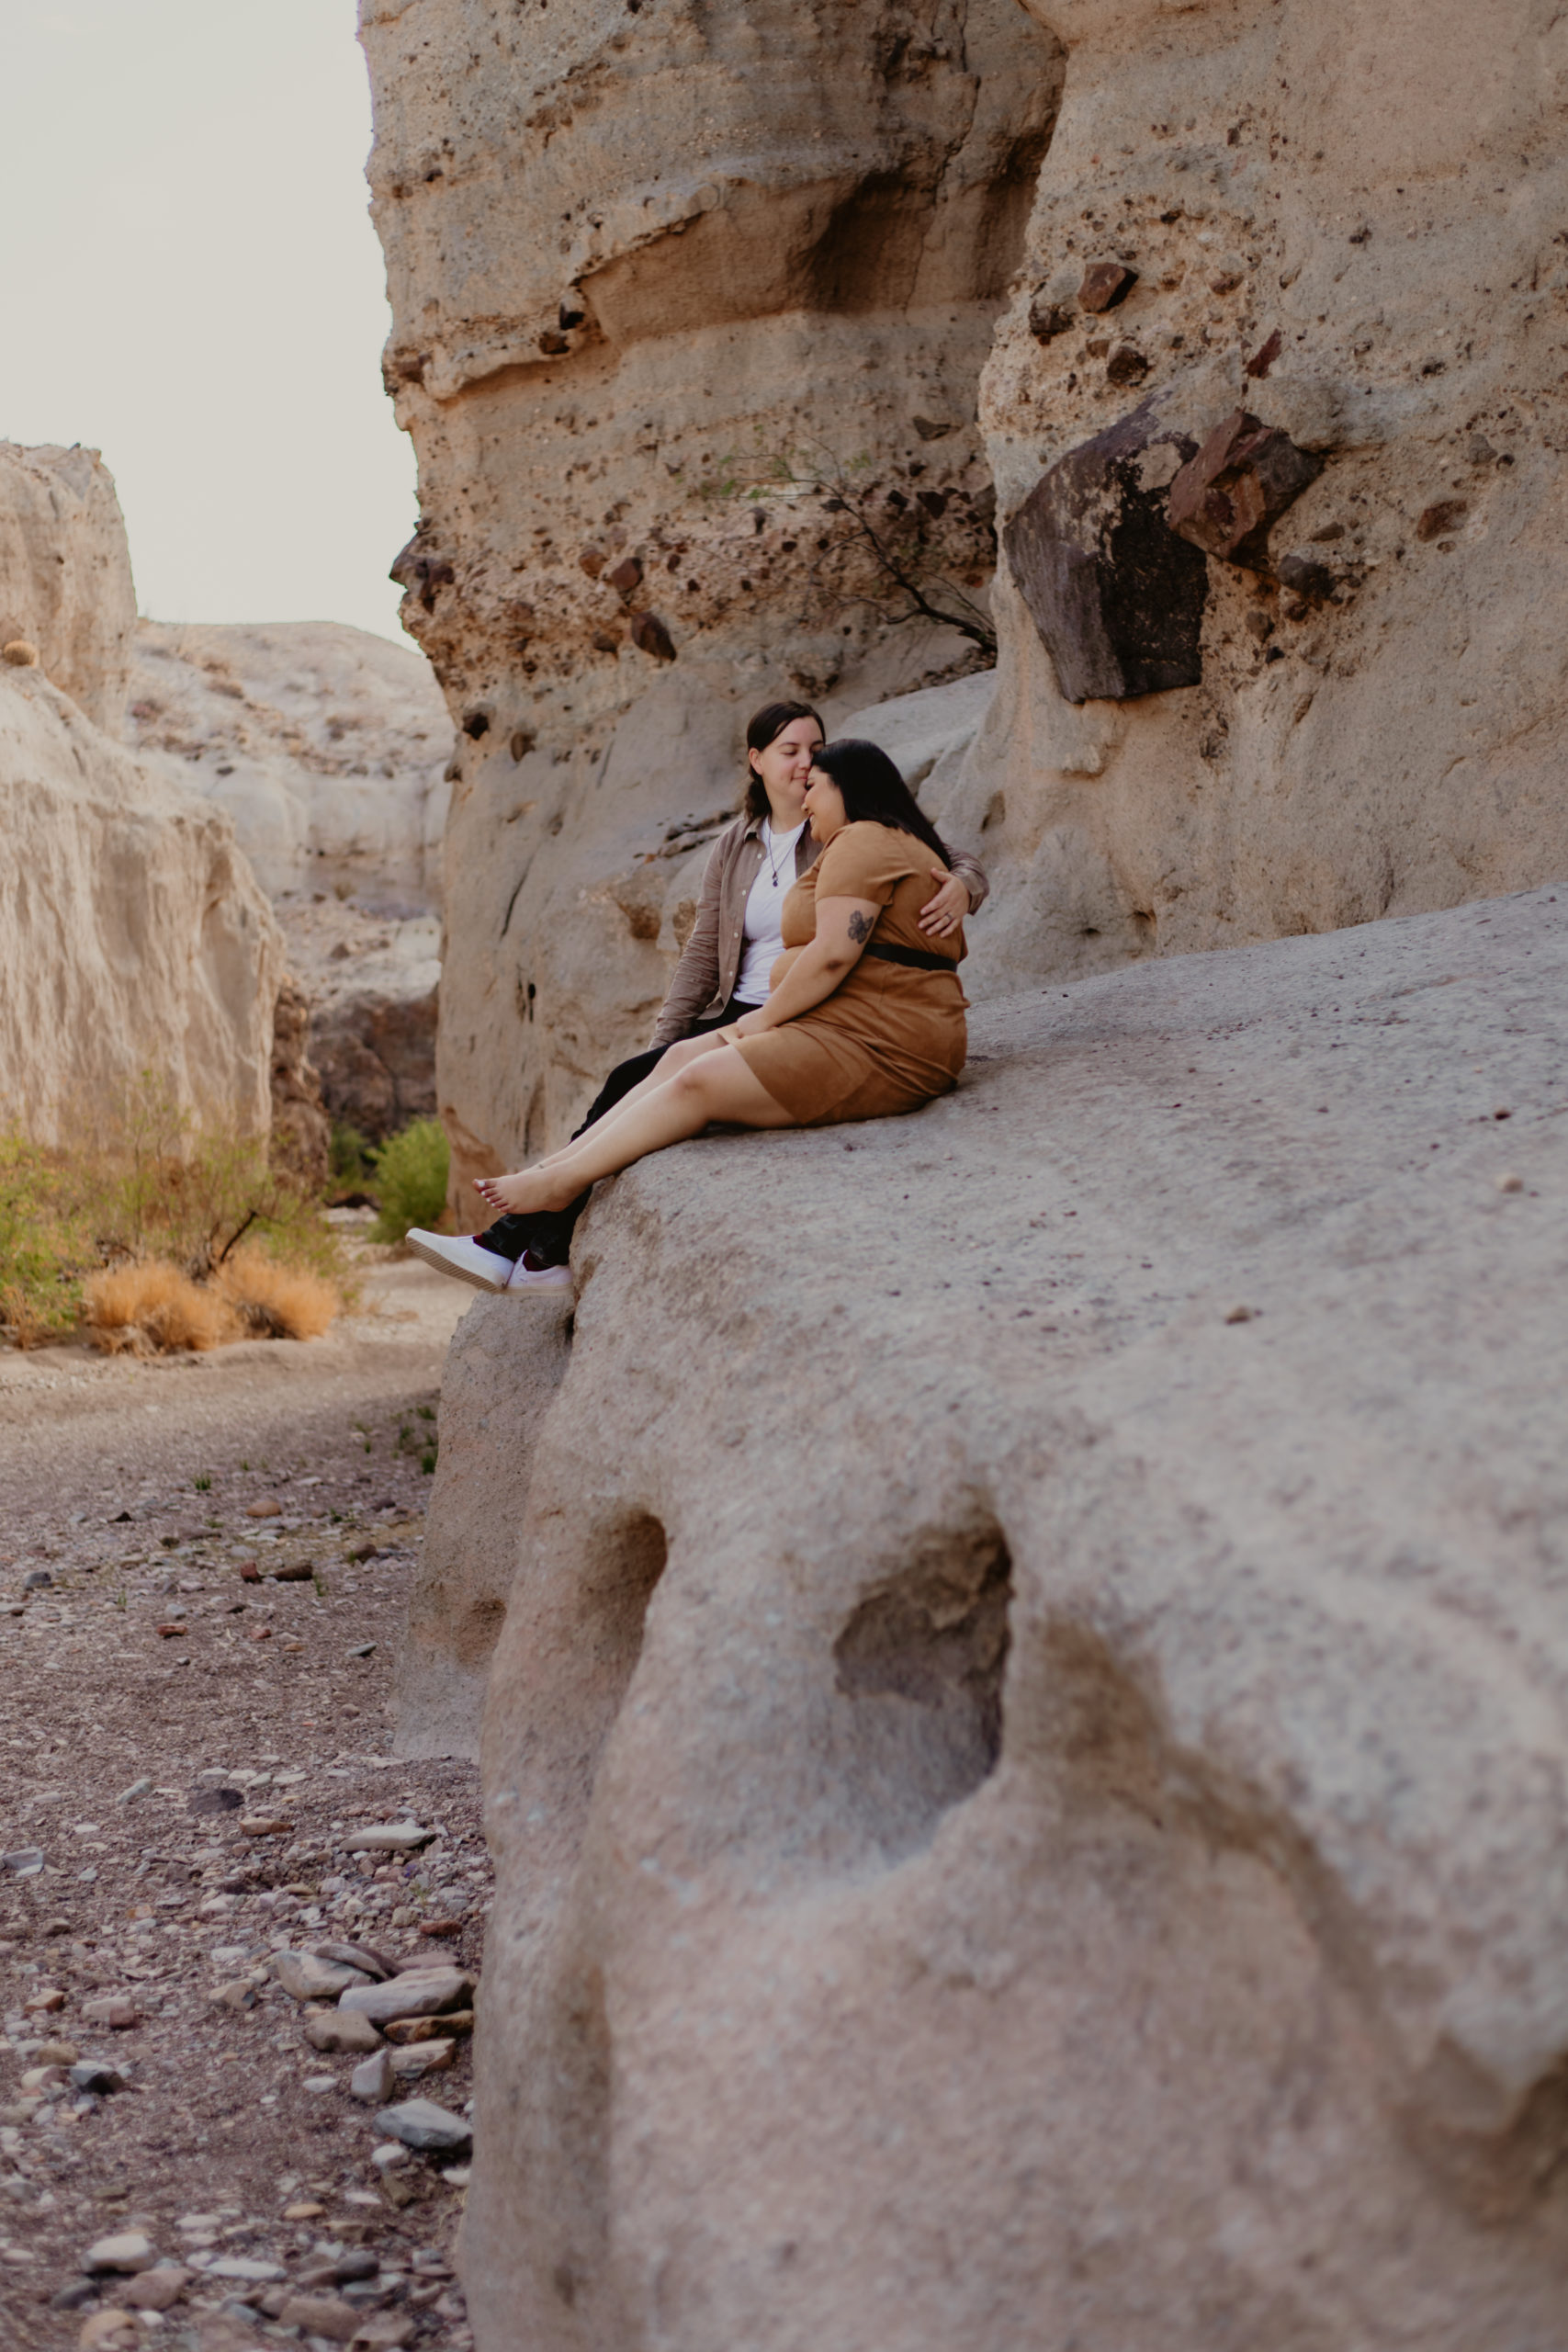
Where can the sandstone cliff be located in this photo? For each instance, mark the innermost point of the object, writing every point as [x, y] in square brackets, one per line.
[657, 273]
[135, 943]
[1347, 222]
[1026, 1752]
[327, 745]
[686, 298]
[65, 584]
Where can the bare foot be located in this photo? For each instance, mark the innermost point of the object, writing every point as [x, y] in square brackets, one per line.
[530, 1189]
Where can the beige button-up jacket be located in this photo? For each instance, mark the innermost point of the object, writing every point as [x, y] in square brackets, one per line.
[705, 976]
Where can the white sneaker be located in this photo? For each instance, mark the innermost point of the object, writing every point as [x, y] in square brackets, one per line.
[539, 1278]
[460, 1254]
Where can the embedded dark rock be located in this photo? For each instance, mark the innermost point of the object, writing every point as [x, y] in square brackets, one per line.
[1048, 319]
[1231, 494]
[650, 636]
[1105, 284]
[1117, 597]
[1126, 365]
[1306, 576]
[1445, 514]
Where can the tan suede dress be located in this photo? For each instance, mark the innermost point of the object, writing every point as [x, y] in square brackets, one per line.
[891, 1035]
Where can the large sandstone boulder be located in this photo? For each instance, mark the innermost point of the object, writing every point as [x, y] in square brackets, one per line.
[327, 745]
[134, 940]
[1323, 245]
[690, 305]
[1026, 1753]
[65, 583]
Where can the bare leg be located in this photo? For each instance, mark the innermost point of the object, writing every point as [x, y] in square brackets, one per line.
[677, 1058]
[711, 1086]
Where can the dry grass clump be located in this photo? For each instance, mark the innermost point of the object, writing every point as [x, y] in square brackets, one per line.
[160, 1196]
[282, 1302]
[150, 1308]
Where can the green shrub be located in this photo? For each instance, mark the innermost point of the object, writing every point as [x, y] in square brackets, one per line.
[350, 1159]
[410, 1180]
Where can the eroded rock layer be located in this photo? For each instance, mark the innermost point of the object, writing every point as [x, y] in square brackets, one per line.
[1341, 226]
[327, 745]
[690, 306]
[1026, 1755]
[138, 958]
[65, 583]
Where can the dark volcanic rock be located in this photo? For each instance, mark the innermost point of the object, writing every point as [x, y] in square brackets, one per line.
[1237, 486]
[1116, 597]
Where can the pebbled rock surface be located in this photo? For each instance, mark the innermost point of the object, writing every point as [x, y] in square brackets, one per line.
[1026, 1757]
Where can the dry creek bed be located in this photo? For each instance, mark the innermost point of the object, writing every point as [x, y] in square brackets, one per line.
[188, 1753]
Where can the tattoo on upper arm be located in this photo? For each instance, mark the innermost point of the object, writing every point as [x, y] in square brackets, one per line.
[861, 928]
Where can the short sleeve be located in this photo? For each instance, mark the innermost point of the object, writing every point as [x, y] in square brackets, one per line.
[867, 861]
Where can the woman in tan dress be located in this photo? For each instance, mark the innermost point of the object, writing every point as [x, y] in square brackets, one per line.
[864, 1016]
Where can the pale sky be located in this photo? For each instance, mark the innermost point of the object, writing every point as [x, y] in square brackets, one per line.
[191, 284]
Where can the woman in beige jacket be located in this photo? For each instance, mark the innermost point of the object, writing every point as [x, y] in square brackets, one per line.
[722, 975]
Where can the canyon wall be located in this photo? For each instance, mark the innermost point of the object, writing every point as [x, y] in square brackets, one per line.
[137, 950]
[327, 745]
[1348, 223]
[330, 748]
[136, 946]
[65, 583]
[687, 301]
[1027, 1747]
[685, 295]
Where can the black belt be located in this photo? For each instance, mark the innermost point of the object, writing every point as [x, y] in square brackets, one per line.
[920, 957]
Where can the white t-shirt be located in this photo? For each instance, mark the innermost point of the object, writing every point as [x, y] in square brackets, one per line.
[764, 934]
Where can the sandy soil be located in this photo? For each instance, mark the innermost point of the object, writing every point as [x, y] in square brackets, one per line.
[130, 1757]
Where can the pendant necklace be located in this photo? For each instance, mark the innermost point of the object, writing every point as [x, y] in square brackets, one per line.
[772, 866]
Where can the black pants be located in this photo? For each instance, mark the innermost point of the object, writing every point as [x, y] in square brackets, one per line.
[547, 1233]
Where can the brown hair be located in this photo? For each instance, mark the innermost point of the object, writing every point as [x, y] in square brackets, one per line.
[875, 792]
[765, 726]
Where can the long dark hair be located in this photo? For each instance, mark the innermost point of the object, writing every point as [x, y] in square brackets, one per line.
[875, 793]
[765, 726]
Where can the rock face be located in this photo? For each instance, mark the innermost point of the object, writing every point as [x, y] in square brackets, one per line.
[1117, 597]
[1343, 226]
[689, 301]
[499, 1383]
[134, 936]
[327, 745]
[1039, 1730]
[302, 1129]
[65, 583]
[373, 983]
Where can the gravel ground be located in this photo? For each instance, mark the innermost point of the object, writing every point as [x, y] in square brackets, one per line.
[190, 1745]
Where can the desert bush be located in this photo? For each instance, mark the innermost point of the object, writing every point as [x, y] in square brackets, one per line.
[281, 1302]
[410, 1180]
[150, 1308]
[155, 1186]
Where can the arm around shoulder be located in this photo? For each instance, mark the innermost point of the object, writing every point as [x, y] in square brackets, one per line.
[972, 875]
